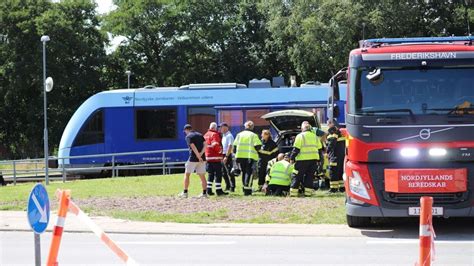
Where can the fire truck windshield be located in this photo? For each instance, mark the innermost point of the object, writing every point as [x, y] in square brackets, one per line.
[412, 91]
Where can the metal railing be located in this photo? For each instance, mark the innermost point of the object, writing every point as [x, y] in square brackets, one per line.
[34, 170]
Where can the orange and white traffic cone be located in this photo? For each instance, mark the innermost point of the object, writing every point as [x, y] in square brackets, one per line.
[59, 227]
[426, 232]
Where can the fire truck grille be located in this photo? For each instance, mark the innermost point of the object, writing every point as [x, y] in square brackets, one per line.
[414, 199]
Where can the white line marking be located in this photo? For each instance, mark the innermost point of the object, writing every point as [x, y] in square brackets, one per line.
[177, 243]
[416, 241]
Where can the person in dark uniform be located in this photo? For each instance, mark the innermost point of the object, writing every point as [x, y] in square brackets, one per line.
[336, 150]
[2, 181]
[267, 152]
[305, 154]
[246, 147]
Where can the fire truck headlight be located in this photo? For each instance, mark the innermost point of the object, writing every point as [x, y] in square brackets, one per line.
[357, 186]
[409, 152]
[437, 152]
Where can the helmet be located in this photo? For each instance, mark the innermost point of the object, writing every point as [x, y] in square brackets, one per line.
[235, 171]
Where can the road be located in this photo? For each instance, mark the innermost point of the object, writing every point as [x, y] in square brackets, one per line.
[16, 248]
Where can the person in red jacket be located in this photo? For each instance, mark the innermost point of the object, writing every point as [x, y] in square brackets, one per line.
[214, 159]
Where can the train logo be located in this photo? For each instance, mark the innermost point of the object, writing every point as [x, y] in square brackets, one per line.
[127, 99]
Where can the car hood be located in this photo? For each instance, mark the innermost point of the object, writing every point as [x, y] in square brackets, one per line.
[290, 120]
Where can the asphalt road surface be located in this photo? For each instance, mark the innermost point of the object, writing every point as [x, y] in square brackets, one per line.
[16, 248]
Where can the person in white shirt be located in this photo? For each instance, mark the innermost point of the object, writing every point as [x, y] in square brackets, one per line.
[227, 162]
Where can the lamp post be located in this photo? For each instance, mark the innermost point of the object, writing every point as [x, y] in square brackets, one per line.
[47, 87]
[129, 73]
[363, 30]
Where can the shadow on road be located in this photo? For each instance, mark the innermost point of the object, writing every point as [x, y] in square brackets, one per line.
[461, 229]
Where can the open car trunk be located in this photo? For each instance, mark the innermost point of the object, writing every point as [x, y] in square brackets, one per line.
[287, 124]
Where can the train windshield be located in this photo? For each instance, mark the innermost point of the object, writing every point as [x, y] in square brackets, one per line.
[413, 91]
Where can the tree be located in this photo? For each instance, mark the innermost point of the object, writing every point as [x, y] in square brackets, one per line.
[181, 42]
[75, 59]
[316, 36]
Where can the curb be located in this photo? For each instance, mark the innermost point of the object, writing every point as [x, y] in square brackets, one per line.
[178, 233]
[76, 231]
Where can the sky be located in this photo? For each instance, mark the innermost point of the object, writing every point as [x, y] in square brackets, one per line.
[104, 6]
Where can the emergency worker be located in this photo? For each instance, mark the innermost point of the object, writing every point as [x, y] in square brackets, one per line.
[246, 147]
[279, 178]
[336, 150]
[214, 159]
[267, 152]
[228, 161]
[305, 154]
[279, 157]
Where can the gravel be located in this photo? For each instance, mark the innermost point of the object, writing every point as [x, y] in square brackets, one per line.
[235, 207]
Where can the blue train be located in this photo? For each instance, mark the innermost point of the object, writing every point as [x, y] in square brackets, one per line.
[146, 119]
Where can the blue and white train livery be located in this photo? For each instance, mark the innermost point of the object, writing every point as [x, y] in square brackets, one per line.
[147, 119]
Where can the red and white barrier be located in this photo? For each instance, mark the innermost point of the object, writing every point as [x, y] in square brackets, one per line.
[64, 201]
[427, 234]
[74, 209]
[67, 204]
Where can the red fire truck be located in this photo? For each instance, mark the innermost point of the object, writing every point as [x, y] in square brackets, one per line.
[410, 125]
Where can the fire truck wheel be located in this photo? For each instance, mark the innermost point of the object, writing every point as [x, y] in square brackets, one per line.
[356, 221]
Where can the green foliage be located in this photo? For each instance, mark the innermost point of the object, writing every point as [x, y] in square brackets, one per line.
[176, 42]
[75, 60]
[180, 42]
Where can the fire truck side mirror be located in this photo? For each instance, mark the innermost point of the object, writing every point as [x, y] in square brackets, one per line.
[375, 76]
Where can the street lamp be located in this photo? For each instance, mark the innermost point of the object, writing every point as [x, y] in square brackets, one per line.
[128, 72]
[47, 87]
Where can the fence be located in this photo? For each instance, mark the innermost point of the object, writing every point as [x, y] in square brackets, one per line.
[34, 169]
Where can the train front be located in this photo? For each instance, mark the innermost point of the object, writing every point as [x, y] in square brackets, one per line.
[410, 117]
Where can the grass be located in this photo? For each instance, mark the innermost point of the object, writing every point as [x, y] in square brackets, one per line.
[329, 209]
[152, 216]
[142, 186]
[39, 165]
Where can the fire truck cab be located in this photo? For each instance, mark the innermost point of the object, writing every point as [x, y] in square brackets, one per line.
[410, 125]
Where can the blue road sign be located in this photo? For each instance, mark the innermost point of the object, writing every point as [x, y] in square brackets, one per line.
[38, 209]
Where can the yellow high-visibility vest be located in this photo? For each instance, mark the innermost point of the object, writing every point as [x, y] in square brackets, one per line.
[280, 174]
[245, 142]
[308, 144]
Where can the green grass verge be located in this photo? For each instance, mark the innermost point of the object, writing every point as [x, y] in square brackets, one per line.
[142, 186]
[330, 208]
[152, 216]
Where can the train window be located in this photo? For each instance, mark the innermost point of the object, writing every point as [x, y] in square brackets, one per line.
[93, 130]
[155, 124]
[255, 116]
[201, 117]
[234, 118]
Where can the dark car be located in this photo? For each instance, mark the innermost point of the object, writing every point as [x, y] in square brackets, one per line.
[287, 124]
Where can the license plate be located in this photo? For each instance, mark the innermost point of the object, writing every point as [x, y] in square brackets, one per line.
[415, 211]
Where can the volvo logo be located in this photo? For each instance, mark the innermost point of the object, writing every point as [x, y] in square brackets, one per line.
[425, 133]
